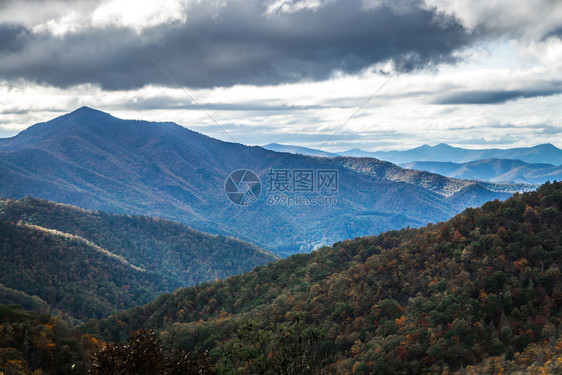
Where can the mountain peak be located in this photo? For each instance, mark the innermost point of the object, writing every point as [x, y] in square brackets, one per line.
[81, 119]
[87, 111]
[442, 146]
[547, 146]
[85, 108]
[423, 147]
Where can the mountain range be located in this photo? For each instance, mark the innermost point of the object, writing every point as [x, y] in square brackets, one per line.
[541, 154]
[482, 289]
[532, 165]
[81, 264]
[494, 170]
[93, 160]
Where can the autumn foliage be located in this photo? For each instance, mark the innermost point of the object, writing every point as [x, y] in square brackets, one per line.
[435, 300]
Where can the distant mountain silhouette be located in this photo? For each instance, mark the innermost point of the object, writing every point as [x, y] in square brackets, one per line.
[93, 160]
[298, 150]
[536, 164]
[495, 170]
[541, 154]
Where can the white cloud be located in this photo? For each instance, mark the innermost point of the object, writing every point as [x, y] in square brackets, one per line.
[61, 26]
[529, 18]
[59, 18]
[547, 52]
[138, 15]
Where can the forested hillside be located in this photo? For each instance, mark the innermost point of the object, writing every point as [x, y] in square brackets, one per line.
[41, 344]
[85, 264]
[70, 275]
[486, 284]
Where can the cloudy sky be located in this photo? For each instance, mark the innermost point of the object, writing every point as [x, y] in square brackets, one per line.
[470, 73]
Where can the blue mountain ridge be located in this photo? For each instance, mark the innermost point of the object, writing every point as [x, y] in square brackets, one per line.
[93, 160]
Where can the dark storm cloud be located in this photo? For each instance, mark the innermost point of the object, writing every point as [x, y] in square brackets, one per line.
[238, 44]
[493, 96]
[12, 38]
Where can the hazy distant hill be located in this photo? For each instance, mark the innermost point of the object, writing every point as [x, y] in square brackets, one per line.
[441, 159]
[93, 160]
[430, 300]
[90, 264]
[298, 150]
[541, 154]
[495, 170]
